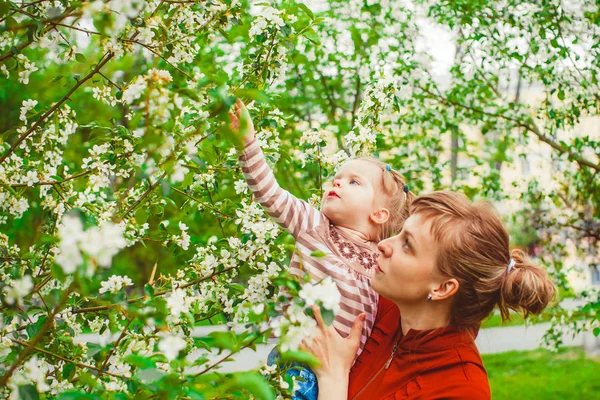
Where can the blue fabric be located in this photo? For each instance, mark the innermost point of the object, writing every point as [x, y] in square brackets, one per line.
[307, 389]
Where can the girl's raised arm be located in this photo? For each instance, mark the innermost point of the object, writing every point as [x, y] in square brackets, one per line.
[293, 214]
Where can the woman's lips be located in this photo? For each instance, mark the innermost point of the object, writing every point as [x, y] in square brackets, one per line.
[378, 268]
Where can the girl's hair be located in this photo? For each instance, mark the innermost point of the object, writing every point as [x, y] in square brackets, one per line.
[473, 248]
[395, 199]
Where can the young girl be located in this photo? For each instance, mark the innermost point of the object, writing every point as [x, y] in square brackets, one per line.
[368, 202]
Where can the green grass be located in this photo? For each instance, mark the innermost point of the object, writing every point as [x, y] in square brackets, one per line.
[541, 374]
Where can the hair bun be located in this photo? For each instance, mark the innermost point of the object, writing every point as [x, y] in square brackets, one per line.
[527, 288]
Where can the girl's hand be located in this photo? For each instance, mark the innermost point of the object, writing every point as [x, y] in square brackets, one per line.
[241, 123]
[336, 355]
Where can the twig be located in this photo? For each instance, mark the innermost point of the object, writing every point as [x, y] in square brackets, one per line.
[106, 58]
[38, 337]
[80, 365]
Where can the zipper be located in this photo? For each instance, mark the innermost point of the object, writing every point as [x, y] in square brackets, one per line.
[385, 366]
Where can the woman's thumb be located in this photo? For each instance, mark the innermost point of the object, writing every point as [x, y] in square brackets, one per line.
[357, 327]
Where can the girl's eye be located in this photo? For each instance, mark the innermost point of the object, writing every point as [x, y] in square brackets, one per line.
[406, 244]
[354, 182]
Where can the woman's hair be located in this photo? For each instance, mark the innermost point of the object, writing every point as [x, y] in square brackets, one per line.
[395, 199]
[473, 248]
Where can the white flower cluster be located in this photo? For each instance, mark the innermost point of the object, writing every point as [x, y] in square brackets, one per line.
[266, 16]
[28, 68]
[17, 289]
[33, 371]
[377, 102]
[28, 105]
[171, 345]
[179, 301]
[251, 218]
[114, 284]
[297, 327]
[183, 241]
[99, 243]
[326, 292]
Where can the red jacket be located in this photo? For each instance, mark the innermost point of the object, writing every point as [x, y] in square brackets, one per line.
[436, 364]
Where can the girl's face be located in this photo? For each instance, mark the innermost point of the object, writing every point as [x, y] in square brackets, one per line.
[353, 195]
[406, 270]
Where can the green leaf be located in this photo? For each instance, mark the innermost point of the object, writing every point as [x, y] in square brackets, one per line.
[77, 395]
[93, 349]
[28, 392]
[11, 23]
[4, 8]
[11, 64]
[237, 287]
[311, 35]
[301, 357]
[254, 94]
[140, 361]
[33, 329]
[195, 394]
[141, 215]
[307, 10]
[254, 383]
[328, 315]
[225, 340]
[68, 371]
[597, 331]
[150, 375]
[318, 254]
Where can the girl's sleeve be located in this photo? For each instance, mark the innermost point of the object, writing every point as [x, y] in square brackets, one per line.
[293, 214]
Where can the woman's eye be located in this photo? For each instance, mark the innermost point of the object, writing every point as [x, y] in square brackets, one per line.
[406, 244]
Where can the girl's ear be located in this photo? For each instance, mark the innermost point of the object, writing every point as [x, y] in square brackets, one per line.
[380, 216]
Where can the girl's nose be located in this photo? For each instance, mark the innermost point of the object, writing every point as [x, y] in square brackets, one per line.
[384, 247]
[336, 183]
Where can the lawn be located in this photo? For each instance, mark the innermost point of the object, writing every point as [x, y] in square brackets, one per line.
[541, 374]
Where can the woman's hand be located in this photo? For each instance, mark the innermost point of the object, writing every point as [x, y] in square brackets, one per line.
[241, 123]
[336, 355]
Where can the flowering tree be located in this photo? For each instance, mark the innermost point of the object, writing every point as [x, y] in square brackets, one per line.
[123, 210]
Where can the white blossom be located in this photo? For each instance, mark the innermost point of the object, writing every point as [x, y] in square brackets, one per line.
[170, 346]
[114, 284]
[15, 291]
[325, 291]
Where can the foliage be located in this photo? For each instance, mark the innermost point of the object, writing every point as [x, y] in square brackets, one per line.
[123, 209]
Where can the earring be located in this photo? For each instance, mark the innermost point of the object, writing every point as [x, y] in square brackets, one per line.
[429, 297]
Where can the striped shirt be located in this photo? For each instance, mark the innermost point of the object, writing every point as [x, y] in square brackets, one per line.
[344, 255]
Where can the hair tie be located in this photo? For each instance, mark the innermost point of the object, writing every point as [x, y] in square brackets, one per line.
[510, 265]
[387, 167]
[405, 189]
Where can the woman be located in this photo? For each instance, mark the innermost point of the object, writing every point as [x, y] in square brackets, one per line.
[442, 275]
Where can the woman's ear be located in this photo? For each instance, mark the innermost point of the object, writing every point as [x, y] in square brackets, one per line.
[446, 290]
[380, 216]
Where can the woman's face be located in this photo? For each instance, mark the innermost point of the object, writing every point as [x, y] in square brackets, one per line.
[406, 271]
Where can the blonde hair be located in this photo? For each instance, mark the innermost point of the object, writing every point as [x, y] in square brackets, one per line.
[473, 248]
[395, 199]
